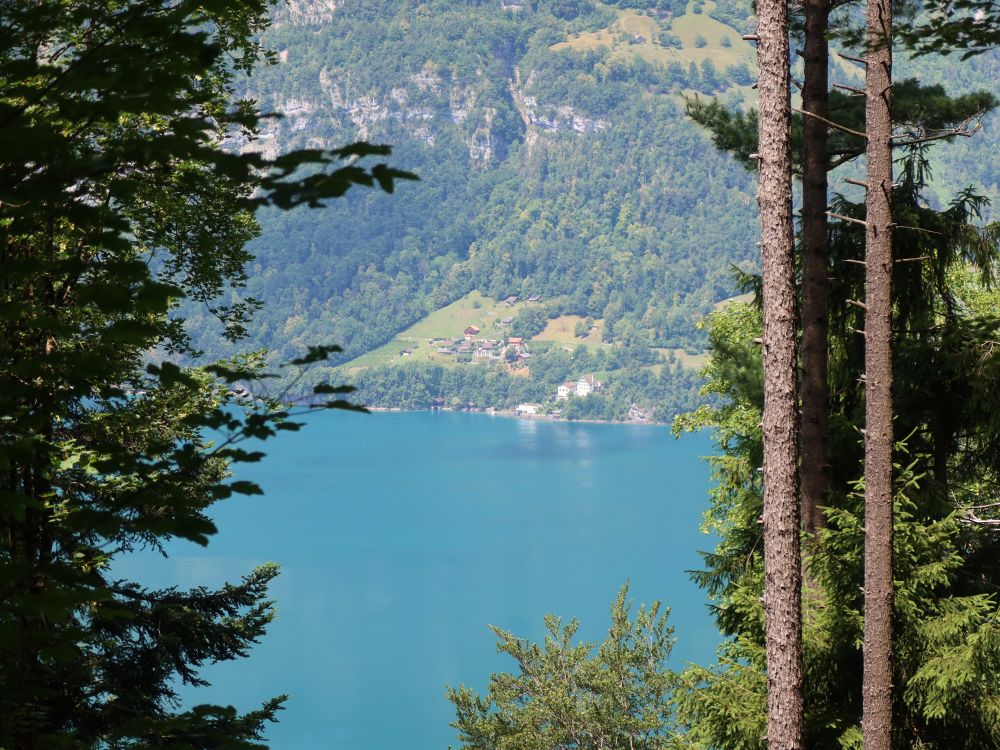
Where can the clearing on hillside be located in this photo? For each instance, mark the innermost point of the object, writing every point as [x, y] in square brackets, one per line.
[636, 34]
[420, 342]
[563, 330]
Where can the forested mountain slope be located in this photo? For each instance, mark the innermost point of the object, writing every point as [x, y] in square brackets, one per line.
[555, 160]
[566, 170]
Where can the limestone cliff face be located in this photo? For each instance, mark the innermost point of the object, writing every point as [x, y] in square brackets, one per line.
[541, 117]
[305, 12]
[422, 106]
[425, 105]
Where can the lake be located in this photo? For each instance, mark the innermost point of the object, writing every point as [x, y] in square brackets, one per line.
[402, 535]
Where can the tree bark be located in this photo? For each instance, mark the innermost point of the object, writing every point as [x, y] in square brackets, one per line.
[877, 686]
[782, 561]
[815, 273]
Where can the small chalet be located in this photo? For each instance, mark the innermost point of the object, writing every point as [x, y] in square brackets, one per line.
[470, 332]
[506, 321]
[587, 385]
[437, 404]
[511, 300]
[406, 353]
[528, 409]
[534, 298]
[515, 341]
[486, 349]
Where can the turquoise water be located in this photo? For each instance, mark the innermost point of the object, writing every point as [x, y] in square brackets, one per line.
[401, 536]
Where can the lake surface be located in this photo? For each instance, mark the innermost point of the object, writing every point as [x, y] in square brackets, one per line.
[401, 536]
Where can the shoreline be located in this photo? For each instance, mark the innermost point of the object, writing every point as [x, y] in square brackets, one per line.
[512, 414]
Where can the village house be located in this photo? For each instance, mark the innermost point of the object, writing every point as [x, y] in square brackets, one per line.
[516, 344]
[487, 349]
[534, 298]
[564, 391]
[470, 332]
[511, 300]
[406, 353]
[506, 321]
[587, 385]
[528, 409]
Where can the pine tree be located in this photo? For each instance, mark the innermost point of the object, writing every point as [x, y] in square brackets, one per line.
[815, 253]
[936, 337]
[782, 566]
[586, 696]
[878, 635]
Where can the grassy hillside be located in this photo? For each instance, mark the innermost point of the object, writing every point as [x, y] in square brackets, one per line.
[699, 36]
[423, 338]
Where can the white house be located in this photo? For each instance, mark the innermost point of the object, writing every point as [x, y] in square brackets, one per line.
[528, 409]
[564, 391]
[587, 385]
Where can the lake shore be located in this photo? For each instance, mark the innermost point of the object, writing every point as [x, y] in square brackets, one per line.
[514, 414]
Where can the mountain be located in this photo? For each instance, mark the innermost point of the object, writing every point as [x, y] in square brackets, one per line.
[555, 160]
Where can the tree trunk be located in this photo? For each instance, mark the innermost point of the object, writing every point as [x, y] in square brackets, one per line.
[782, 571]
[815, 274]
[877, 688]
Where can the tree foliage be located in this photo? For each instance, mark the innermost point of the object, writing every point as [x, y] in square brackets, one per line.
[582, 696]
[118, 200]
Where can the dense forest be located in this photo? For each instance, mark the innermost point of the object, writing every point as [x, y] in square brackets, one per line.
[560, 171]
[555, 158]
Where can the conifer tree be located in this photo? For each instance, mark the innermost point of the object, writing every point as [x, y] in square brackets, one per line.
[586, 696]
[782, 567]
[877, 690]
[815, 253]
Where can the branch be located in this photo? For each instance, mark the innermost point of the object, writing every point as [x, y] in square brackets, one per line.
[962, 130]
[972, 518]
[831, 123]
[851, 219]
[987, 506]
[852, 58]
[845, 157]
[852, 89]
